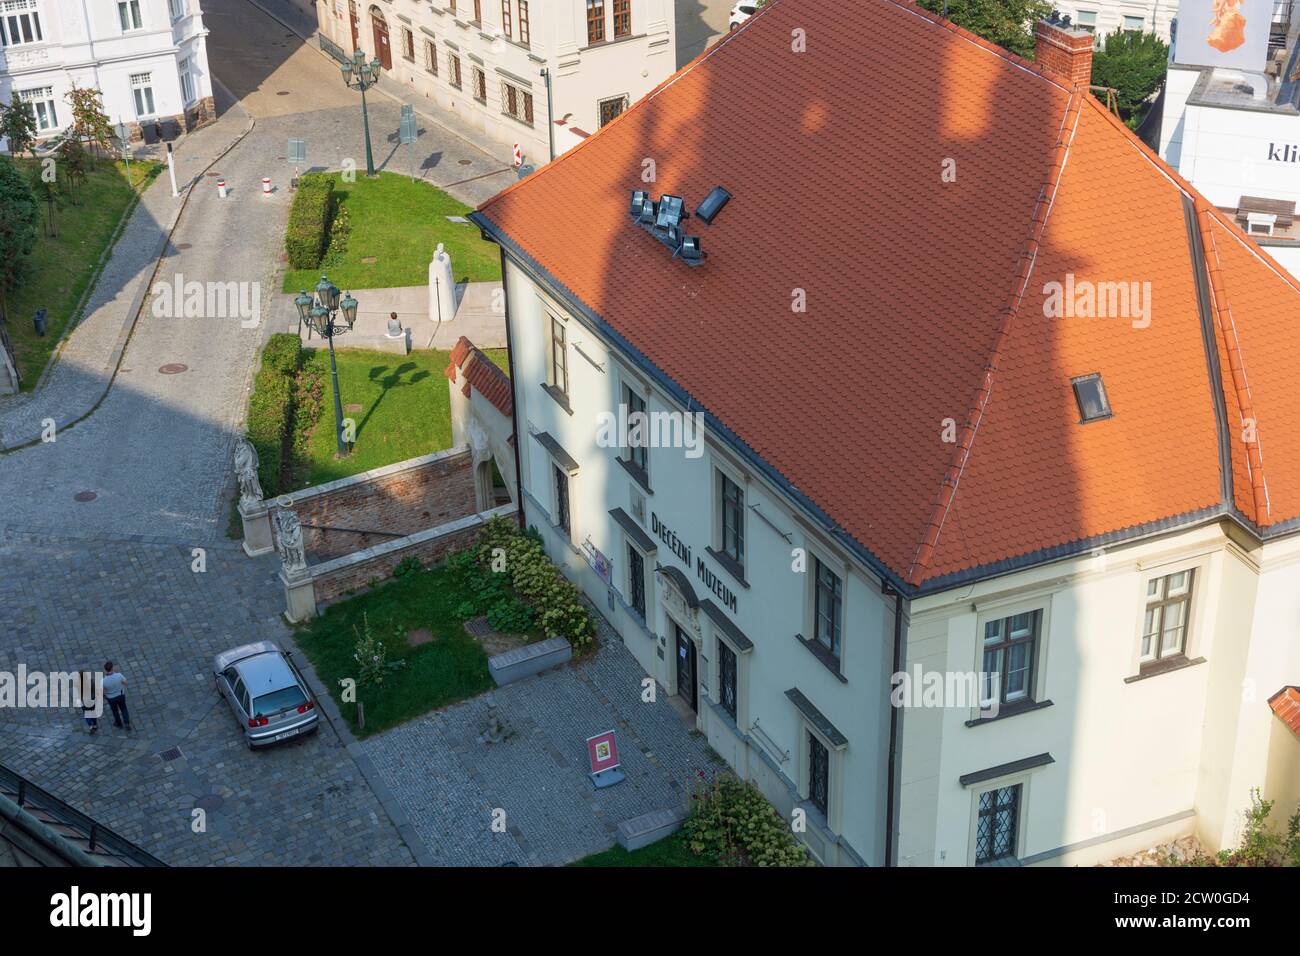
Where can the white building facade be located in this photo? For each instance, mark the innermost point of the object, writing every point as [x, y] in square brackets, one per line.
[147, 57]
[1104, 17]
[483, 60]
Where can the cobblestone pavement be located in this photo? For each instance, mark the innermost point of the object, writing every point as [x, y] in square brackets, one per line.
[71, 604]
[450, 785]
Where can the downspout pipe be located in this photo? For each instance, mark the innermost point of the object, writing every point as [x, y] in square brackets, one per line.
[514, 395]
[891, 772]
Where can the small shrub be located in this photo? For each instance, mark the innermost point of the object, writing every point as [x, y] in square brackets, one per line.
[1261, 845]
[283, 353]
[407, 566]
[371, 656]
[309, 220]
[731, 822]
[269, 408]
[510, 616]
[340, 231]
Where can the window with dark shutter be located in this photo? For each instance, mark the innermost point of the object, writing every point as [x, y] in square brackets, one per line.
[727, 678]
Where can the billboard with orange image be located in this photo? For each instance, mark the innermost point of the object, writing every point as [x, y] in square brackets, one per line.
[1227, 33]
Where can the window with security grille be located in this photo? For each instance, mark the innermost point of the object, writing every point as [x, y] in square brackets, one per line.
[727, 678]
[453, 65]
[1010, 654]
[595, 21]
[408, 44]
[995, 829]
[1164, 627]
[480, 85]
[41, 100]
[20, 22]
[430, 57]
[561, 499]
[516, 103]
[636, 580]
[819, 774]
[611, 108]
[622, 18]
[523, 22]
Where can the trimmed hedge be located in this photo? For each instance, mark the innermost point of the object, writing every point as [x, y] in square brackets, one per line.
[731, 822]
[308, 232]
[270, 408]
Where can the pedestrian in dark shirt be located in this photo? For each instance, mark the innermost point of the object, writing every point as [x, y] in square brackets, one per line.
[115, 694]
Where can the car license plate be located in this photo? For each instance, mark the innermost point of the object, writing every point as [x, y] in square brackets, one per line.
[291, 733]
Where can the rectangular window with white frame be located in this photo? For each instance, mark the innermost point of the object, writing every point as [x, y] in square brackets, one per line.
[828, 608]
[731, 522]
[1134, 24]
[1010, 659]
[636, 442]
[997, 824]
[142, 94]
[558, 374]
[128, 15]
[177, 8]
[20, 23]
[187, 82]
[1166, 618]
[41, 100]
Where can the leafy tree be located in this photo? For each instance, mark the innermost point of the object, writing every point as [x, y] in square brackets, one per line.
[73, 163]
[90, 124]
[1008, 23]
[1134, 65]
[18, 126]
[18, 218]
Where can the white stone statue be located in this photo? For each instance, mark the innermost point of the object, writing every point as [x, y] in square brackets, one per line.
[246, 463]
[288, 540]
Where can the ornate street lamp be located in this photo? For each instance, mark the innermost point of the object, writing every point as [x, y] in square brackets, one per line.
[360, 75]
[327, 315]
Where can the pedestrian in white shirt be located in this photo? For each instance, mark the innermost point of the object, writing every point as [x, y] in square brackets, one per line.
[115, 694]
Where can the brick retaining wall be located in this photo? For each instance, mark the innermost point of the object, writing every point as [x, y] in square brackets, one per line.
[402, 499]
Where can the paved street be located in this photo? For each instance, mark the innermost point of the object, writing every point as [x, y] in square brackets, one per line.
[699, 23]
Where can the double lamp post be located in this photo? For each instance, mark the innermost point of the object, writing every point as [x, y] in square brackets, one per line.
[327, 315]
[361, 75]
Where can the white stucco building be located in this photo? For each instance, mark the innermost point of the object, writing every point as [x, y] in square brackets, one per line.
[1103, 17]
[1084, 526]
[484, 60]
[1235, 135]
[148, 58]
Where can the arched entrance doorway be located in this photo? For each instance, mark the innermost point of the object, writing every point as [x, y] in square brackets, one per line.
[354, 19]
[383, 49]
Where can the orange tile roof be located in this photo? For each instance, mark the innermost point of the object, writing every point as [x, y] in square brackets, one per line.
[481, 374]
[1286, 704]
[925, 298]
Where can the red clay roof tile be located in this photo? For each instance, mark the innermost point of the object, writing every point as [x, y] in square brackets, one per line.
[926, 299]
[1286, 704]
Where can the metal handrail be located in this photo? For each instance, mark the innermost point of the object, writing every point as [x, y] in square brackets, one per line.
[99, 837]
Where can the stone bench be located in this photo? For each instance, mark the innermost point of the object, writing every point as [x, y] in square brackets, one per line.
[529, 660]
[649, 828]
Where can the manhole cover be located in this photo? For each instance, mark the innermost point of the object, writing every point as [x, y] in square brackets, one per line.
[210, 802]
[370, 260]
[419, 636]
[84, 496]
[353, 407]
[171, 753]
[173, 368]
[281, 92]
[478, 626]
[212, 175]
[465, 162]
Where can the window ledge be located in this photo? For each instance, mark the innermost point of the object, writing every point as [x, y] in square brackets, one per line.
[827, 659]
[1166, 666]
[728, 564]
[1010, 710]
[612, 41]
[560, 398]
[637, 473]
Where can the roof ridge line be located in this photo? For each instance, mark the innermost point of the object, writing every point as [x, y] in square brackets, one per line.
[1236, 360]
[928, 544]
[639, 104]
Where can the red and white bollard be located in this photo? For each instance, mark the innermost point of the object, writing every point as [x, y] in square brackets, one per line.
[266, 186]
[519, 156]
[221, 188]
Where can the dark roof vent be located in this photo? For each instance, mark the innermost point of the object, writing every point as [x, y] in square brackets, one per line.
[712, 205]
[663, 220]
[1090, 393]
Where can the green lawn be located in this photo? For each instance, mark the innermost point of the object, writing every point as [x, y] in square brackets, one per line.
[670, 851]
[62, 267]
[449, 668]
[405, 409]
[399, 222]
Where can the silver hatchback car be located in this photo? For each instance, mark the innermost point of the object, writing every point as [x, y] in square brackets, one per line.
[268, 695]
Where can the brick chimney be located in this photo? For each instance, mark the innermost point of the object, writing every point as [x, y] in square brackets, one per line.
[1064, 51]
